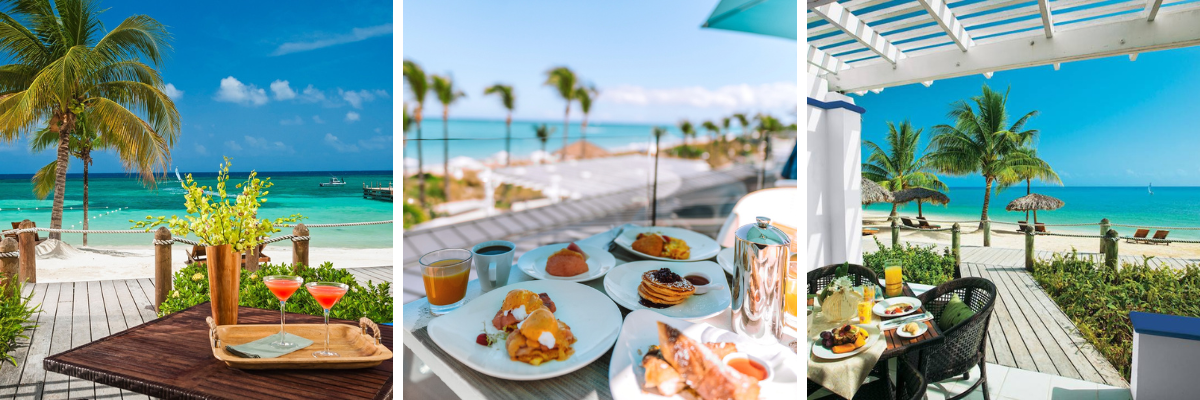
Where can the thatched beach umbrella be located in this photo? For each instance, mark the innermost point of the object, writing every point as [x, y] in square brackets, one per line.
[920, 195]
[1034, 202]
[873, 193]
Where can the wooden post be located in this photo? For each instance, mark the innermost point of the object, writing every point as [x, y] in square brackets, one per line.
[162, 265]
[27, 246]
[1029, 248]
[299, 247]
[251, 259]
[987, 233]
[1104, 225]
[1110, 251]
[895, 232]
[9, 266]
[955, 248]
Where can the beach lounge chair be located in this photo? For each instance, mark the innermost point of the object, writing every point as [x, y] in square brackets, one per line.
[1161, 235]
[925, 224]
[1140, 234]
[196, 256]
[1040, 227]
[908, 222]
[1021, 225]
[37, 235]
[869, 231]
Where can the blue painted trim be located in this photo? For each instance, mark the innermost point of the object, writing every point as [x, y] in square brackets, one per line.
[387, 323]
[1186, 328]
[835, 104]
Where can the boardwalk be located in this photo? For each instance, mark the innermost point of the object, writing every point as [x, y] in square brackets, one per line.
[1027, 330]
[75, 313]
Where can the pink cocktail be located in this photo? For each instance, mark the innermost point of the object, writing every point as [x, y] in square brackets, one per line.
[326, 294]
[282, 286]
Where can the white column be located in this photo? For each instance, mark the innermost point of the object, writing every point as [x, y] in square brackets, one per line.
[832, 165]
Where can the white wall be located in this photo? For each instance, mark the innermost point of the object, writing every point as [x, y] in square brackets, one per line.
[833, 161]
[1163, 367]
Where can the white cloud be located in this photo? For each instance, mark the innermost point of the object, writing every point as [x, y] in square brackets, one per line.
[172, 92]
[351, 116]
[293, 121]
[201, 150]
[376, 142]
[264, 144]
[731, 97]
[317, 119]
[355, 35]
[356, 98]
[234, 91]
[377, 130]
[312, 95]
[338, 145]
[232, 145]
[282, 91]
[381, 93]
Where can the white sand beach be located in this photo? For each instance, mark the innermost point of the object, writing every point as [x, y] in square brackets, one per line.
[1006, 236]
[70, 264]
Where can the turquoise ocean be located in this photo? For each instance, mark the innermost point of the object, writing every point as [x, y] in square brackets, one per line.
[1167, 207]
[114, 199]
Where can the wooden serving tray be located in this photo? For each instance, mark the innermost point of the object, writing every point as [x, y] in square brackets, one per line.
[357, 347]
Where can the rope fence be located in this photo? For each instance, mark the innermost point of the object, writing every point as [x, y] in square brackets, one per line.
[293, 238]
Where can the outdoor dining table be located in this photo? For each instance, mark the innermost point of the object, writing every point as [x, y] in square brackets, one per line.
[171, 358]
[589, 382]
[898, 346]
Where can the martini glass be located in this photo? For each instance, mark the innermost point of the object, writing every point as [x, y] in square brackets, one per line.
[282, 286]
[326, 294]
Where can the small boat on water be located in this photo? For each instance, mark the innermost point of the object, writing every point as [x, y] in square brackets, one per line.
[1150, 189]
[334, 181]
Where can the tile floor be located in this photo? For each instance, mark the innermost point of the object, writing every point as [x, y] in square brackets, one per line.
[1006, 383]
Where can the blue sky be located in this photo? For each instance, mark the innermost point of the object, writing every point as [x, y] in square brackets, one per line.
[228, 68]
[650, 59]
[1104, 122]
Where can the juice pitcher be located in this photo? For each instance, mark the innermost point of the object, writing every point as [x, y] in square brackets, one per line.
[760, 265]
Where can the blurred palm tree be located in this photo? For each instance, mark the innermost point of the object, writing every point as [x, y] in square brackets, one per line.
[63, 65]
[563, 80]
[687, 128]
[418, 85]
[543, 133]
[744, 122]
[900, 166]
[407, 121]
[726, 123]
[447, 94]
[510, 103]
[585, 95]
[713, 131]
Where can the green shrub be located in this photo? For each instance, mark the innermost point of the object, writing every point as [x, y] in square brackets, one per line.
[413, 215]
[15, 313]
[1098, 299]
[372, 301]
[921, 264]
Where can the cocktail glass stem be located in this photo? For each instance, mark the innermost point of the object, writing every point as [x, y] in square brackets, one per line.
[282, 316]
[326, 330]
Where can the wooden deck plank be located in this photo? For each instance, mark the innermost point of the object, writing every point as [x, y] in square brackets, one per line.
[98, 323]
[997, 342]
[1043, 331]
[10, 375]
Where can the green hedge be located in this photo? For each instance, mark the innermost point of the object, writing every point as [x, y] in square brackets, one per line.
[15, 313]
[372, 301]
[921, 264]
[1098, 299]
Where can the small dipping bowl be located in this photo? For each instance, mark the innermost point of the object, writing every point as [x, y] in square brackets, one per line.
[700, 289]
[745, 356]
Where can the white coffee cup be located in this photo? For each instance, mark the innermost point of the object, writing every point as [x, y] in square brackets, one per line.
[492, 265]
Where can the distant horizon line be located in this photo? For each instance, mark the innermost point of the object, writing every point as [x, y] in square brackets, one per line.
[130, 175]
[590, 121]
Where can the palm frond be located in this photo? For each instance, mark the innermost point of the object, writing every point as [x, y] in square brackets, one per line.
[137, 37]
[43, 180]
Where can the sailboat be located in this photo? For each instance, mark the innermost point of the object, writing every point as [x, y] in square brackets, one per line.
[1150, 188]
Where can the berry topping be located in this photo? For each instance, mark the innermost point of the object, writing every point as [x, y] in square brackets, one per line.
[666, 276]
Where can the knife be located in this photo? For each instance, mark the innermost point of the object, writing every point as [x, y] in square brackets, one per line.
[912, 318]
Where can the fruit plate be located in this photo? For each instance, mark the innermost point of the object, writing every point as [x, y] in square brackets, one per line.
[883, 305]
[622, 282]
[640, 331]
[594, 320]
[873, 335]
[701, 247]
[533, 263]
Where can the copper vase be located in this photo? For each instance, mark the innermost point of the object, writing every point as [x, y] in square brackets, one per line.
[224, 275]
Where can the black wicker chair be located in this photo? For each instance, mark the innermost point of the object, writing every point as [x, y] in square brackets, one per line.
[820, 278]
[964, 344]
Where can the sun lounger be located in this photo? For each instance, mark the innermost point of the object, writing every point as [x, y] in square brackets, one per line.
[1022, 225]
[869, 231]
[908, 222]
[1161, 235]
[925, 224]
[1140, 234]
[37, 235]
[198, 256]
[1040, 227]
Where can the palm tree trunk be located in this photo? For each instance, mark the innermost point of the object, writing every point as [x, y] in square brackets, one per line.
[583, 138]
[893, 214]
[1029, 190]
[420, 165]
[446, 153]
[543, 161]
[508, 140]
[60, 178]
[566, 125]
[86, 161]
[987, 200]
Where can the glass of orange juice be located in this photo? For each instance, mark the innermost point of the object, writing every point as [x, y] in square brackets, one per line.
[446, 273]
[791, 298]
[893, 278]
[864, 311]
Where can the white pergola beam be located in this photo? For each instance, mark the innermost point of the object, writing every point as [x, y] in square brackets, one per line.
[824, 61]
[1152, 7]
[846, 21]
[1107, 40]
[949, 23]
[1047, 17]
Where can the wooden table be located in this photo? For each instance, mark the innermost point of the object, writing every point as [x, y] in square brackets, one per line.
[170, 358]
[590, 382]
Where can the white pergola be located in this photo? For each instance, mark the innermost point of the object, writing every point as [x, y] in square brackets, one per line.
[855, 46]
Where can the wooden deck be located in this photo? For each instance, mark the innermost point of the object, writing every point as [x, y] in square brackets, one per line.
[75, 313]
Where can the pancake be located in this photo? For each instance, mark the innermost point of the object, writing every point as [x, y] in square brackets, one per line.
[663, 288]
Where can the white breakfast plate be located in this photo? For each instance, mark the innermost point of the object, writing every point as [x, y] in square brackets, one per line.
[640, 331]
[725, 258]
[701, 247]
[533, 263]
[885, 303]
[622, 283]
[593, 318]
[873, 335]
[922, 325]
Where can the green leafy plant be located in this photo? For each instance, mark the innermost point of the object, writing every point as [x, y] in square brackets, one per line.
[217, 221]
[372, 301]
[1098, 299]
[15, 313]
[920, 264]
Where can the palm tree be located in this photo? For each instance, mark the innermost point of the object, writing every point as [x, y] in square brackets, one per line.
[543, 133]
[563, 80]
[981, 141]
[713, 130]
[686, 127]
[585, 96]
[744, 122]
[1040, 170]
[506, 98]
[407, 121]
[900, 166]
[447, 94]
[418, 85]
[65, 65]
